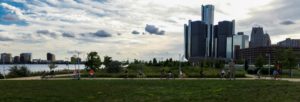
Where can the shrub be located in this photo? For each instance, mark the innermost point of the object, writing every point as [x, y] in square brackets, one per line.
[1, 76]
[17, 71]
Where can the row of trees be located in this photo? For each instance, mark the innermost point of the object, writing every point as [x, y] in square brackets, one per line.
[285, 58]
[94, 62]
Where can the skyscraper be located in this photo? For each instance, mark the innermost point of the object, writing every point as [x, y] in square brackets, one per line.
[258, 38]
[223, 30]
[195, 35]
[208, 18]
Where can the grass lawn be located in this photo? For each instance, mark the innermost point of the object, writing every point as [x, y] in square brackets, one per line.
[149, 91]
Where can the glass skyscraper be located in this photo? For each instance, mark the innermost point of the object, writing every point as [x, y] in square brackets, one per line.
[208, 18]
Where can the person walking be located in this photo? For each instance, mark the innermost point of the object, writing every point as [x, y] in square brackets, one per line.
[232, 70]
[258, 73]
[92, 73]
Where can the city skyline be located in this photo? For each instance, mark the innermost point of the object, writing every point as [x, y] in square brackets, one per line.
[124, 31]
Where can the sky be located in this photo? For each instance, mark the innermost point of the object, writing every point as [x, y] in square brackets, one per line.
[129, 29]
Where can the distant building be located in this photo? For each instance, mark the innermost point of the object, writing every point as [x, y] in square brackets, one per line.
[195, 40]
[16, 59]
[224, 30]
[25, 57]
[250, 54]
[208, 19]
[6, 58]
[50, 57]
[258, 38]
[289, 43]
[240, 41]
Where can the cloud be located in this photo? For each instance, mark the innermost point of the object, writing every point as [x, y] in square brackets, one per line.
[99, 33]
[135, 32]
[3, 38]
[14, 10]
[10, 17]
[68, 35]
[287, 22]
[47, 33]
[154, 30]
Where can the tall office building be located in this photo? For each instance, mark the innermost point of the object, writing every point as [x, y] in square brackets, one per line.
[50, 57]
[25, 57]
[195, 35]
[289, 43]
[258, 38]
[6, 58]
[224, 30]
[208, 18]
[240, 41]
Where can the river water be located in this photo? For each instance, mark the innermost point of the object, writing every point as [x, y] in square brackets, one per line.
[40, 67]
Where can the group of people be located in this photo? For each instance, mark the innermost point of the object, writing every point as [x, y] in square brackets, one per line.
[229, 73]
[167, 75]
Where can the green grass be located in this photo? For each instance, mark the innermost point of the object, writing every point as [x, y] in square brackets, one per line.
[149, 91]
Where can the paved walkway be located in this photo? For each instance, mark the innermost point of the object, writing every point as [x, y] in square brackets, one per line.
[248, 77]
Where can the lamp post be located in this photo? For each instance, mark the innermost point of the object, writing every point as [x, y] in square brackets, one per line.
[269, 55]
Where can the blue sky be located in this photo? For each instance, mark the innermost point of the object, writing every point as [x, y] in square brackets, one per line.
[125, 29]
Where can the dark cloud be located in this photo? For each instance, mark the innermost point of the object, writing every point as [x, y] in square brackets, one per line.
[287, 22]
[100, 33]
[2, 38]
[47, 33]
[154, 30]
[135, 32]
[68, 35]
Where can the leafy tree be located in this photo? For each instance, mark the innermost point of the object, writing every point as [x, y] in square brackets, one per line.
[114, 67]
[107, 61]
[259, 62]
[93, 61]
[16, 71]
[154, 61]
[1, 76]
[289, 61]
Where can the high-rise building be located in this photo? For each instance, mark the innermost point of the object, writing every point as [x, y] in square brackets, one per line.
[240, 41]
[6, 58]
[208, 18]
[25, 57]
[16, 59]
[50, 57]
[258, 38]
[224, 30]
[195, 35]
[289, 43]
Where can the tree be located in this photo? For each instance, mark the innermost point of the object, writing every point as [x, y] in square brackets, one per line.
[114, 67]
[154, 61]
[1, 76]
[107, 61]
[259, 62]
[289, 61]
[93, 61]
[16, 71]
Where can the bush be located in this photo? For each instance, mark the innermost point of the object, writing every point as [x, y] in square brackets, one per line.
[1, 76]
[113, 67]
[17, 71]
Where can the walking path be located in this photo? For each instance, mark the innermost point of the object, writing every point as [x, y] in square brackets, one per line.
[248, 77]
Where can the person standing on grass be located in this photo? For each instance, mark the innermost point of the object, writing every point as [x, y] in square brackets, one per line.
[232, 70]
[258, 73]
[222, 73]
[92, 73]
[78, 75]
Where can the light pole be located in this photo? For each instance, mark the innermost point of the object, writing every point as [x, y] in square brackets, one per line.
[269, 55]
